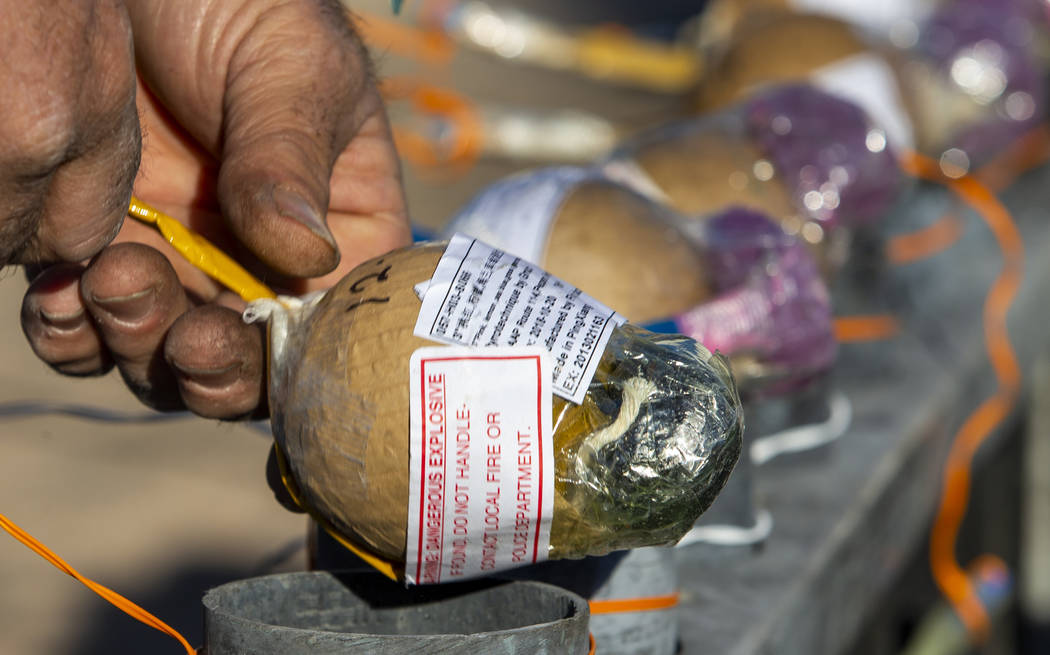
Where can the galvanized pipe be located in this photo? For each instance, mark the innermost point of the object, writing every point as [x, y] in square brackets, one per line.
[324, 613]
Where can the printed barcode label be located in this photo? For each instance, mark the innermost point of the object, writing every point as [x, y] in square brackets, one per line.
[484, 297]
[481, 462]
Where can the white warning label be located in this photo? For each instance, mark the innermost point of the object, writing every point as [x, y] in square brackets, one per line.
[481, 462]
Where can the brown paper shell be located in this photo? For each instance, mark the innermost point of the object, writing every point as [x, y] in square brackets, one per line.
[345, 405]
[708, 171]
[608, 242]
[344, 408]
[782, 47]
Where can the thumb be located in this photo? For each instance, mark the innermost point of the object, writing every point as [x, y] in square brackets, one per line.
[290, 109]
[273, 192]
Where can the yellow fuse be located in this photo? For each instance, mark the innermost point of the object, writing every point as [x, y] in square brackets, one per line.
[201, 253]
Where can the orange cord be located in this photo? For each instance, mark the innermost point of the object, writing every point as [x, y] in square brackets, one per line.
[949, 576]
[428, 44]
[925, 242]
[1029, 150]
[109, 595]
[427, 99]
[645, 604]
[853, 329]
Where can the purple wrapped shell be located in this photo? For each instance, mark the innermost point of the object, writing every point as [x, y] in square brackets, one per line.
[985, 47]
[836, 163]
[772, 303]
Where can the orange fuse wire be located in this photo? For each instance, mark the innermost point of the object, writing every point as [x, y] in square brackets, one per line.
[122, 603]
[949, 576]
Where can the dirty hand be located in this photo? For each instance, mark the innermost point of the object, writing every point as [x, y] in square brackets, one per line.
[261, 128]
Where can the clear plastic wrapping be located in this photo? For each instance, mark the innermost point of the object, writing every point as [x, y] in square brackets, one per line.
[967, 76]
[762, 301]
[834, 159]
[636, 463]
[814, 162]
[976, 78]
[648, 450]
[772, 312]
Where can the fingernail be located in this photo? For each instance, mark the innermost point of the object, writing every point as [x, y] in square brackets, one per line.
[129, 308]
[212, 378]
[66, 322]
[293, 206]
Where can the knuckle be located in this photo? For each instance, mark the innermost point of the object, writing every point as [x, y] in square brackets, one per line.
[71, 85]
[127, 264]
[35, 142]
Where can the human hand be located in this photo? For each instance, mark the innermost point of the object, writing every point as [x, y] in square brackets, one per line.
[69, 131]
[257, 118]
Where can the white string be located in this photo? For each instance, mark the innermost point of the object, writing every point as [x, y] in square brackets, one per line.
[280, 314]
[635, 392]
[731, 535]
[806, 437]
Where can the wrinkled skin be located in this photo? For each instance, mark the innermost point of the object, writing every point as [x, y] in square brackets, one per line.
[255, 121]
